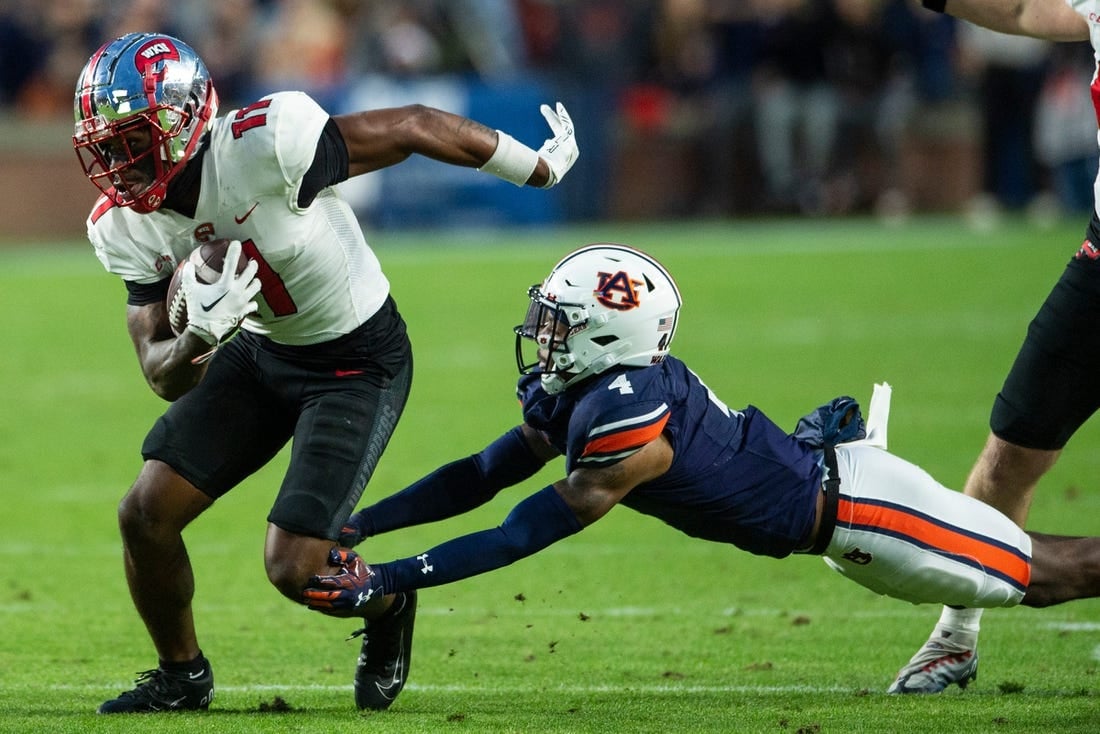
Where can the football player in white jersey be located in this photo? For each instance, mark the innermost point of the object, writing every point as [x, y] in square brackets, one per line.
[319, 354]
[1051, 388]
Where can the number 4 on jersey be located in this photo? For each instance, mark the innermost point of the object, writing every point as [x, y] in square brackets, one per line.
[622, 384]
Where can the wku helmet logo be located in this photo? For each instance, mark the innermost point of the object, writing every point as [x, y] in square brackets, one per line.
[156, 50]
[618, 291]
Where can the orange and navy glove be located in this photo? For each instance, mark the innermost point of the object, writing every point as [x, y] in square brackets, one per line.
[346, 592]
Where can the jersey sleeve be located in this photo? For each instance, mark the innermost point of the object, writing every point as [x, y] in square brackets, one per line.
[132, 246]
[298, 127]
[275, 138]
[605, 432]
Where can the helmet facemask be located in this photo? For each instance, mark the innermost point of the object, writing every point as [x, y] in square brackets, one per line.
[549, 326]
[111, 155]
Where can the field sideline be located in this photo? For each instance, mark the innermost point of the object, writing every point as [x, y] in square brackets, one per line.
[627, 627]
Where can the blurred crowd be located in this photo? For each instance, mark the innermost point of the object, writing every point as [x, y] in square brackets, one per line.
[764, 105]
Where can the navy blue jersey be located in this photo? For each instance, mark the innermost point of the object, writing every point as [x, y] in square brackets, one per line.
[735, 478]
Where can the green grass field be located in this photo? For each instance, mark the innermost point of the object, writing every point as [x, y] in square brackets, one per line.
[627, 627]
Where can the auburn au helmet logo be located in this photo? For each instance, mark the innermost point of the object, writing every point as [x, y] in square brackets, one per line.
[618, 291]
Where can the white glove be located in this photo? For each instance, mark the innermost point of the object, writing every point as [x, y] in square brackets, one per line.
[215, 310]
[515, 162]
[560, 151]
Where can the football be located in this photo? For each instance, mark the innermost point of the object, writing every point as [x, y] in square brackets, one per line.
[208, 259]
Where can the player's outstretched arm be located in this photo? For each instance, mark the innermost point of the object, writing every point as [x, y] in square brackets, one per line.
[1053, 20]
[535, 523]
[376, 139]
[553, 513]
[454, 488]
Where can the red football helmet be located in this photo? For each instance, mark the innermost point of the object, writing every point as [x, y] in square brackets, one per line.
[142, 104]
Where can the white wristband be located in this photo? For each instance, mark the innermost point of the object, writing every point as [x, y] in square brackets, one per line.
[512, 160]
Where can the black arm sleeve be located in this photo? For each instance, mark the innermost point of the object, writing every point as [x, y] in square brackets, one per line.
[330, 164]
[142, 294]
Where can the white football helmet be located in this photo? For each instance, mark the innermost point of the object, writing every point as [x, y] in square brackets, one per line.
[603, 305]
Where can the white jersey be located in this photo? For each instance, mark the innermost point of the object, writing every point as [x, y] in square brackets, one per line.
[320, 278]
[1090, 11]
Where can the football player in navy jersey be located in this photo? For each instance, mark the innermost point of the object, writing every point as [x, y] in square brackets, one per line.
[637, 427]
[320, 353]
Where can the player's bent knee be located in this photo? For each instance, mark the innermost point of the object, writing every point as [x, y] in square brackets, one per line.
[1013, 465]
[287, 575]
[288, 583]
[291, 560]
[140, 518]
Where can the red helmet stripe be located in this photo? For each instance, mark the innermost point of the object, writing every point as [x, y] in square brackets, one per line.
[87, 109]
[148, 61]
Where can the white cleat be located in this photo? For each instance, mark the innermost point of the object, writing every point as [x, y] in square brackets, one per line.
[937, 665]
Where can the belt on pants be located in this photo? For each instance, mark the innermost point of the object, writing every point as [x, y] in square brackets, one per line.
[831, 487]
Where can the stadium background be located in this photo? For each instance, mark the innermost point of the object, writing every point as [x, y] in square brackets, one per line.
[923, 113]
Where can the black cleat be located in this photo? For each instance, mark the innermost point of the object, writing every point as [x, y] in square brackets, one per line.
[383, 665]
[159, 690]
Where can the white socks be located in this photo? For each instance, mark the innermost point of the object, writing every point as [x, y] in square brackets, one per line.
[959, 625]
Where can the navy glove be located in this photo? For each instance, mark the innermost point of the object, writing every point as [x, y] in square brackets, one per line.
[347, 592]
[838, 421]
[353, 533]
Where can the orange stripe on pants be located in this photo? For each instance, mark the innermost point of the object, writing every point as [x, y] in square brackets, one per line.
[896, 521]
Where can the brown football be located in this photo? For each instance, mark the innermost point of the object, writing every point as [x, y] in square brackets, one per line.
[208, 259]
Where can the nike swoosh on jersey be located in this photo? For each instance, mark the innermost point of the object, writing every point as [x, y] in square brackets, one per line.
[247, 214]
[208, 306]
